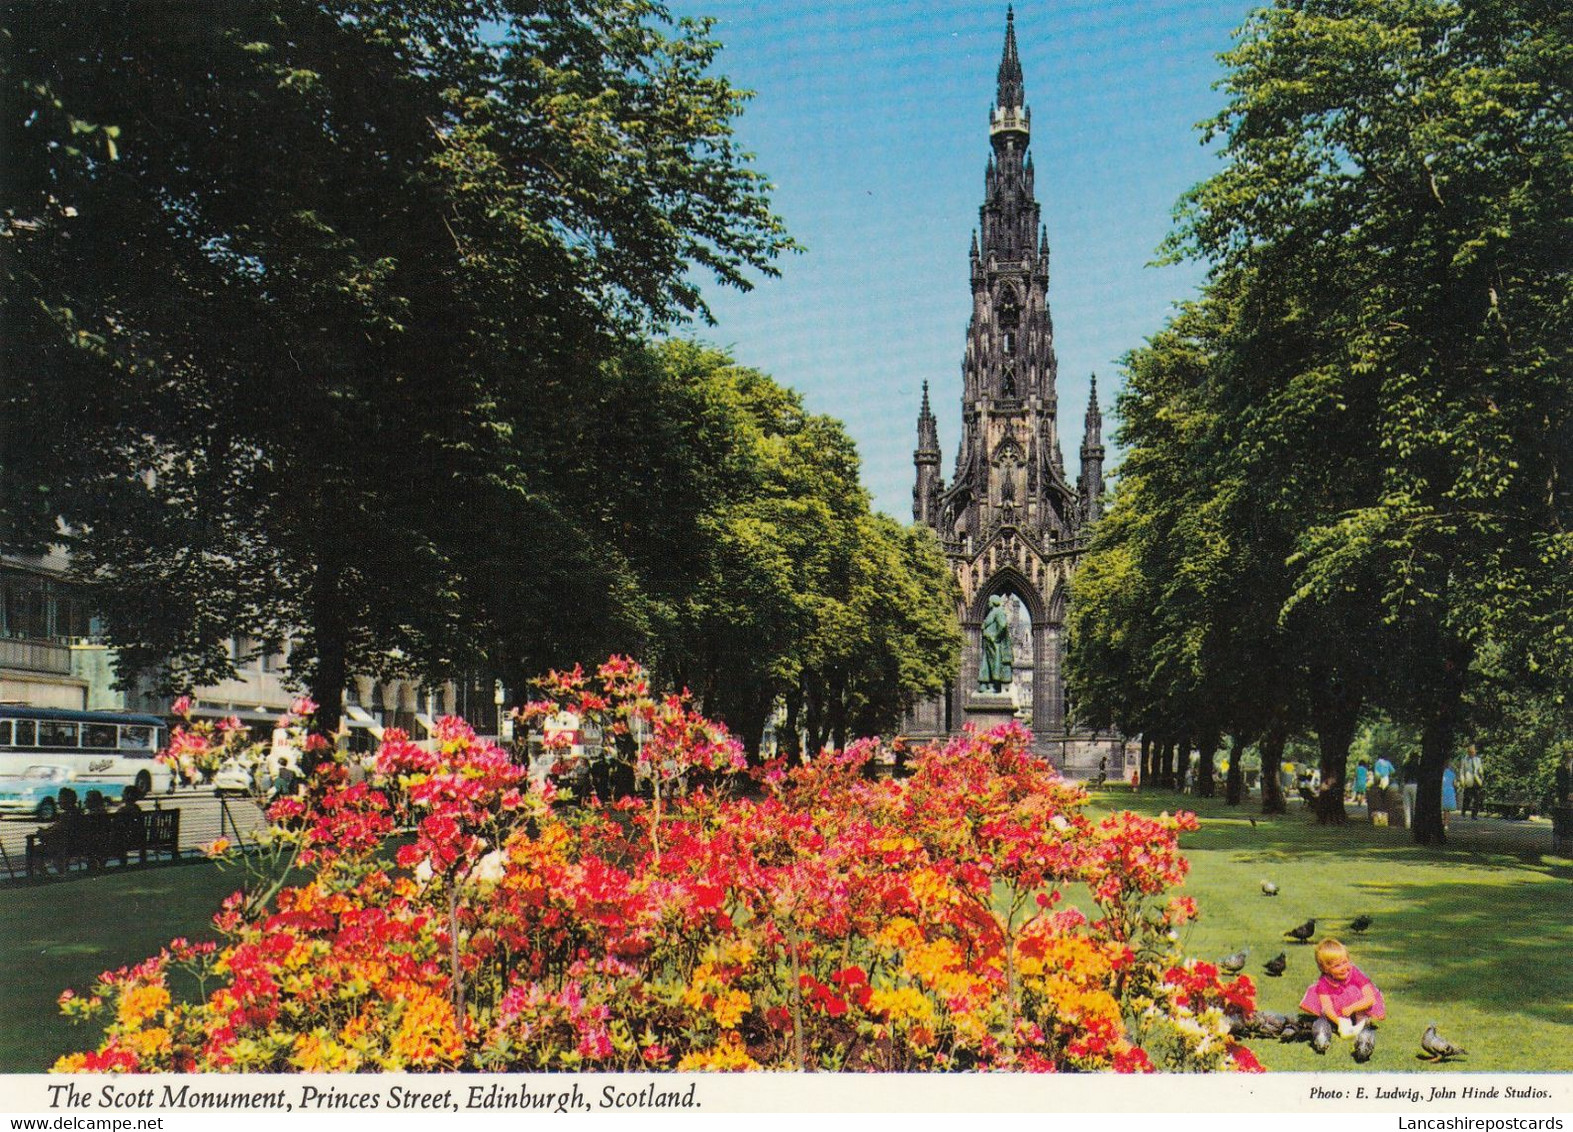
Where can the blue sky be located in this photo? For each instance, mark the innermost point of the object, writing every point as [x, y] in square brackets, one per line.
[871, 121]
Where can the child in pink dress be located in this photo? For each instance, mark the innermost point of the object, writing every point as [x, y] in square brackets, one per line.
[1343, 999]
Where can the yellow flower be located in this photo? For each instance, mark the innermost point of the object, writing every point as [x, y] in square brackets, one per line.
[317, 1053]
[426, 1037]
[139, 1003]
[150, 1043]
[901, 1004]
[901, 934]
[730, 1007]
[929, 889]
[70, 1063]
[723, 1058]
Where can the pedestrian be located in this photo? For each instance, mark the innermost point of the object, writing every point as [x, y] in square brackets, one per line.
[1472, 781]
[1410, 774]
[1449, 792]
[285, 781]
[1382, 772]
[1362, 777]
[1343, 1000]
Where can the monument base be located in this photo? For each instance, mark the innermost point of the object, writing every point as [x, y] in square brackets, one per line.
[986, 710]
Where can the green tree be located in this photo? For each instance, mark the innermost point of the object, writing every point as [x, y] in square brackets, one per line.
[1395, 182]
[297, 292]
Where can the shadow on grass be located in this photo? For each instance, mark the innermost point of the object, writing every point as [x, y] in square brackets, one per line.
[1499, 946]
[65, 933]
[1242, 830]
[1474, 935]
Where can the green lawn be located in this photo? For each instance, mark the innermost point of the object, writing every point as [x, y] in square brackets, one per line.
[1476, 937]
[61, 934]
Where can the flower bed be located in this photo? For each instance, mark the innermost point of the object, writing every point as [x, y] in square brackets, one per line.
[819, 919]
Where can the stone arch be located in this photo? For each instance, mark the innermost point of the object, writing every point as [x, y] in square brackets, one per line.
[1007, 304]
[1008, 446]
[1007, 579]
[1059, 600]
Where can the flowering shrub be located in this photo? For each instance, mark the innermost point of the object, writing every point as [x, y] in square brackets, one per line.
[198, 747]
[969, 917]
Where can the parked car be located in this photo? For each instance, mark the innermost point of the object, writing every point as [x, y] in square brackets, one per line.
[235, 776]
[35, 793]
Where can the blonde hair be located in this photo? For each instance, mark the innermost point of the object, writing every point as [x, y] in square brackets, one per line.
[1329, 951]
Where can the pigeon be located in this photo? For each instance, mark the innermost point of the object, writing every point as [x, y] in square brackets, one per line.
[1434, 1047]
[1269, 888]
[1365, 1042]
[1361, 923]
[1257, 1024]
[1234, 963]
[1270, 1024]
[1303, 933]
[1276, 965]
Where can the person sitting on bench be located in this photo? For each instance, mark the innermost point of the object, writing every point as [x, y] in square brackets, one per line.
[60, 837]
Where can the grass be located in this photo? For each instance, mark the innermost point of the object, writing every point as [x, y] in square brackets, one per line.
[1477, 938]
[58, 934]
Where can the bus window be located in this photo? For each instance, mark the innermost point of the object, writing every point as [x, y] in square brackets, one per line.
[55, 733]
[100, 735]
[140, 738]
[5, 732]
[25, 735]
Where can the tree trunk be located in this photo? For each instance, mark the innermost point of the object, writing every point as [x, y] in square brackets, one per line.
[1207, 746]
[1335, 713]
[330, 634]
[1272, 763]
[1235, 784]
[1144, 767]
[838, 710]
[1179, 763]
[791, 740]
[1436, 744]
[751, 730]
[814, 719]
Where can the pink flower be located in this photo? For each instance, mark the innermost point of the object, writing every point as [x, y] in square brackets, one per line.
[181, 707]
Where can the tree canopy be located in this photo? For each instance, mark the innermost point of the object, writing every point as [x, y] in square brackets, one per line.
[298, 293]
[1380, 480]
[786, 586]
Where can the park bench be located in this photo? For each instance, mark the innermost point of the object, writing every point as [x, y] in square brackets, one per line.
[1517, 807]
[98, 839]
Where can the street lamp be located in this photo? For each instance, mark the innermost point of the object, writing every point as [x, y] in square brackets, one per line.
[504, 725]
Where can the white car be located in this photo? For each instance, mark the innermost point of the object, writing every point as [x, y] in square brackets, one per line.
[236, 777]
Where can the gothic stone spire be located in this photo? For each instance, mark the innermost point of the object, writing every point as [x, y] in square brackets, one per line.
[926, 490]
[1091, 478]
[1011, 92]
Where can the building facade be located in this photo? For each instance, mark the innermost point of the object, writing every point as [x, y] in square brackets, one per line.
[53, 654]
[1010, 522]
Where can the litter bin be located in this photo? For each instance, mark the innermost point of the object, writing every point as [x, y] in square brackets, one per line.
[1393, 803]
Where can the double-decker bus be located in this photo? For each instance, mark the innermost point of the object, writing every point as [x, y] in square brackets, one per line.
[104, 750]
